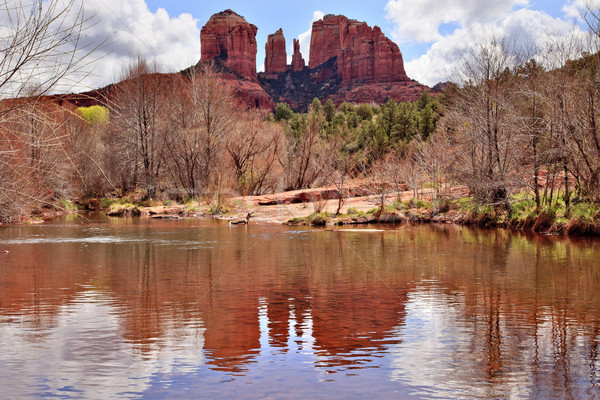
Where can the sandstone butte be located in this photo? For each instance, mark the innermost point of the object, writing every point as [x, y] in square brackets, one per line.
[363, 53]
[230, 41]
[349, 61]
[275, 53]
[228, 37]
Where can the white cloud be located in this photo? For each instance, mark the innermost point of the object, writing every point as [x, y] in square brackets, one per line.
[574, 8]
[131, 29]
[304, 37]
[419, 21]
[120, 31]
[521, 28]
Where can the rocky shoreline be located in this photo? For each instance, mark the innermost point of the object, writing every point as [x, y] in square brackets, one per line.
[316, 207]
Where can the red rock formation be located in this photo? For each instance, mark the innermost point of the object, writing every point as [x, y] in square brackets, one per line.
[275, 54]
[379, 92]
[298, 62]
[325, 39]
[364, 53]
[229, 38]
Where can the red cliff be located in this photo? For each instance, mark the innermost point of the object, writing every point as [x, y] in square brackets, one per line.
[275, 54]
[363, 53]
[229, 38]
[298, 62]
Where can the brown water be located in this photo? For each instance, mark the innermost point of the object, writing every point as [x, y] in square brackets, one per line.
[122, 308]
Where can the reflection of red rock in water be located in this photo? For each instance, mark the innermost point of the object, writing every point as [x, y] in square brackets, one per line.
[352, 319]
[278, 312]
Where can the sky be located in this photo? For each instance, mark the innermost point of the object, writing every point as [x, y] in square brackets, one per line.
[431, 34]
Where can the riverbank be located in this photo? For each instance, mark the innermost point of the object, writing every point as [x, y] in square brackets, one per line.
[318, 206]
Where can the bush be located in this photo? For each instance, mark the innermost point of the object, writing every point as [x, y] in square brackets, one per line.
[319, 219]
[105, 202]
[95, 114]
[67, 205]
[119, 209]
[352, 211]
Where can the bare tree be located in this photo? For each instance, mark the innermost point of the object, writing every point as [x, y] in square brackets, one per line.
[41, 47]
[139, 125]
[482, 112]
[253, 145]
[302, 148]
[201, 118]
[557, 90]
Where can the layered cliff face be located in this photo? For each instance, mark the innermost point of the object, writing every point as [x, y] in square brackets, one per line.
[349, 61]
[275, 53]
[363, 53]
[229, 38]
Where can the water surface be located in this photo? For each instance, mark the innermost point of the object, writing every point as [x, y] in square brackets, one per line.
[141, 308]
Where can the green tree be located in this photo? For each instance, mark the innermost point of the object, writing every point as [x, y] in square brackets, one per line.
[283, 112]
[316, 107]
[329, 110]
[426, 122]
[365, 112]
[406, 122]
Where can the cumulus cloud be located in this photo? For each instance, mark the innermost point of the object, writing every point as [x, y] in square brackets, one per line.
[121, 31]
[304, 38]
[420, 21]
[573, 9]
[510, 21]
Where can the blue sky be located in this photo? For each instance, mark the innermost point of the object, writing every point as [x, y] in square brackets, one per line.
[431, 33]
[294, 17]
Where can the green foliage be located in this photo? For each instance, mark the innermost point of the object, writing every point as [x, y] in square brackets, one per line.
[346, 107]
[316, 107]
[319, 219]
[119, 209]
[283, 112]
[365, 112]
[67, 205]
[95, 114]
[329, 110]
[217, 209]
[105, 202]
[362, 134]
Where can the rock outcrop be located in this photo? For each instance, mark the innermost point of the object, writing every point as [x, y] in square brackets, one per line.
[349, 61]
[364, 54]
[230, 39]
[298, 62]
[275, 53]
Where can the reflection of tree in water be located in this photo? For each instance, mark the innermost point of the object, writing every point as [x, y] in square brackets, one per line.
[523, 312]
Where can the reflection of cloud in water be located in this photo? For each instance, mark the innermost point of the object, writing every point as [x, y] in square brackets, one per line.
[84, 355]
[438, 357]
[111, 240]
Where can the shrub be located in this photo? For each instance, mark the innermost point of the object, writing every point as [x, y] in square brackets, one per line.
[95, 114]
